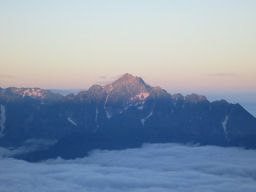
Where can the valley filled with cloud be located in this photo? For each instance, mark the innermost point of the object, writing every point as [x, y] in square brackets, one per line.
[154, 167]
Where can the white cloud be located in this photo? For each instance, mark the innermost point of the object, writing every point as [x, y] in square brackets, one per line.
[27, 147]
[154, 167]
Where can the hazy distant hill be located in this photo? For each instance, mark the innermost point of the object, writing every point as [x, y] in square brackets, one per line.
[125, 113]
[65, 92]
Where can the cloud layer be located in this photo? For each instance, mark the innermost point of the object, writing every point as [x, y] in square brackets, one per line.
[154, 167]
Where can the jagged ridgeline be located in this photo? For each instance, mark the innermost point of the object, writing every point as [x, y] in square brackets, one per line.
[123, 114]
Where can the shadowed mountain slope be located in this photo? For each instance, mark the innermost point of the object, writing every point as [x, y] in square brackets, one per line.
[125, 113]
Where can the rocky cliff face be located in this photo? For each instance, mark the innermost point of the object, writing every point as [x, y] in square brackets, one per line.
[13, 93]
[125, 113]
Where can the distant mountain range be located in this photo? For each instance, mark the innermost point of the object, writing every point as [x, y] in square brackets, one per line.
[123, 114]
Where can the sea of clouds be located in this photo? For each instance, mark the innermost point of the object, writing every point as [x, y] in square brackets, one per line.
[152, 168]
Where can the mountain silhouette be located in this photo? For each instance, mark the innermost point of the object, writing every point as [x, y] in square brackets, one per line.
[125, 113]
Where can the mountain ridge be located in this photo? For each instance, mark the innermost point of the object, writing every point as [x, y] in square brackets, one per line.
[43, 94]
[124, 113]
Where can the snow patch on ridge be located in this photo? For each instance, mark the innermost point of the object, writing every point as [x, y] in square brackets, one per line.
[2, 120]
[224, 124]
[141, 96]
[108, 114]
[33, 92]
[106, 100]
[146, 118]
[96, 115]
[72, 122]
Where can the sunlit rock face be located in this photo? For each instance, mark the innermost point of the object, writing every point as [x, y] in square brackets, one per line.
[126, 89]
[14, 93]
[124, 113]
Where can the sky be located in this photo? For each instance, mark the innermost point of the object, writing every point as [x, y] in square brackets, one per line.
[181, 45]
[171, 168]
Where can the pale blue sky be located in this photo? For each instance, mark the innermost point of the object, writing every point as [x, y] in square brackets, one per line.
[183, 46]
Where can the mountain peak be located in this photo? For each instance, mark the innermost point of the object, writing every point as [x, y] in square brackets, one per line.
[194, 98]
[35, 93]
[127, 77]
[126, 80]
[126, 89]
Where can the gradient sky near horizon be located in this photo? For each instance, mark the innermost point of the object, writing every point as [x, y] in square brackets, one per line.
[181, 45]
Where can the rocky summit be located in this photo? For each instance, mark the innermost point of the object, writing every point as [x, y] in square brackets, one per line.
[123, 114]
